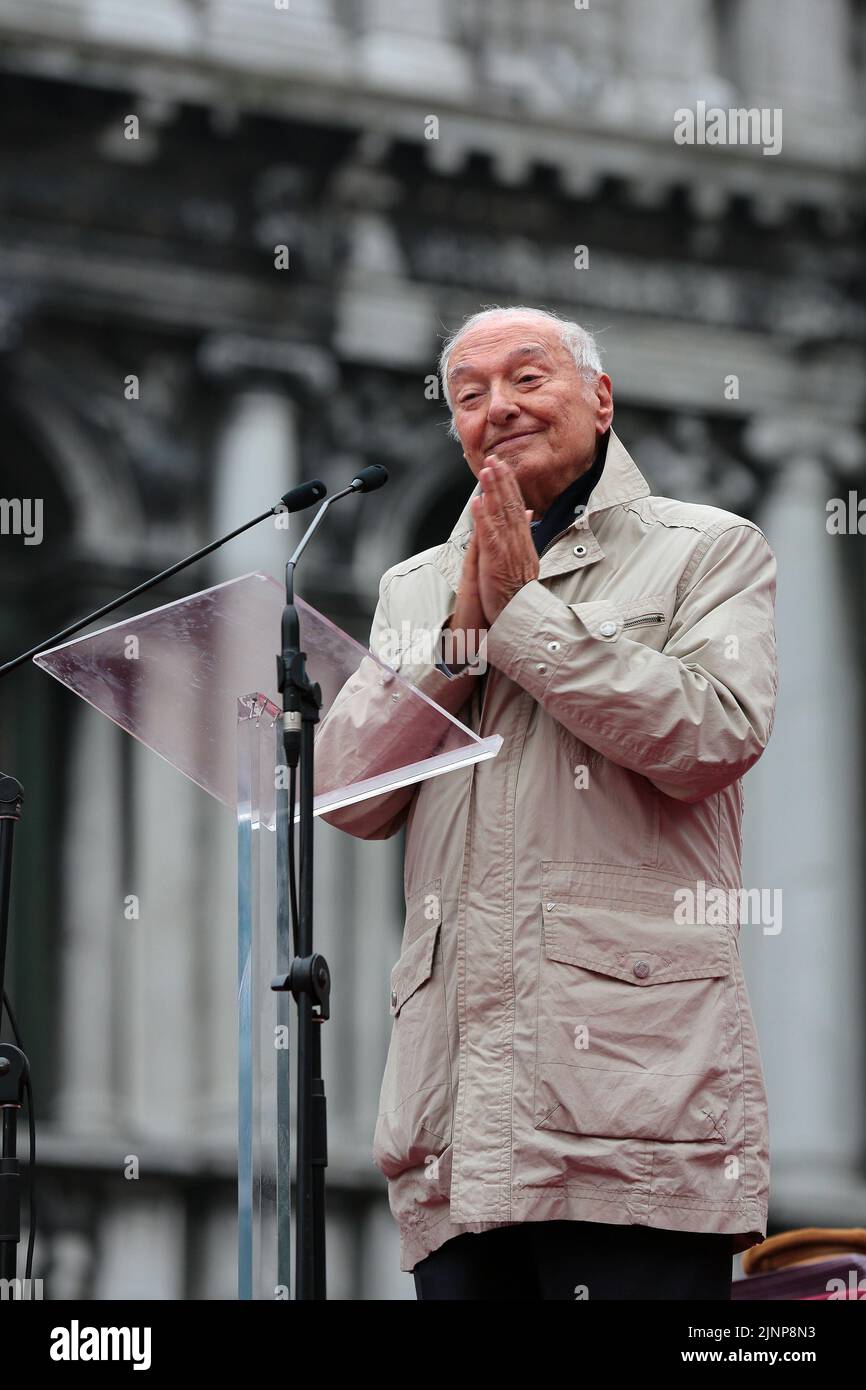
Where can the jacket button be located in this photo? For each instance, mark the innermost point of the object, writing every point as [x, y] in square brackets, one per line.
[551, 906]
[641, 969]
[553, 646]
[607, 629]
[393, 998]
[541, 667]
[580, 550]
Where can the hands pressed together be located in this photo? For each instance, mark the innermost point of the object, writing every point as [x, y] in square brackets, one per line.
[501, 557]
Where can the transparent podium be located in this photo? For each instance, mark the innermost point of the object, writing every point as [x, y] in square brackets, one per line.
[195, 681]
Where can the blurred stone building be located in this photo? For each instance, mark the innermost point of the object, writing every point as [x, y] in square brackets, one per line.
[166, 371]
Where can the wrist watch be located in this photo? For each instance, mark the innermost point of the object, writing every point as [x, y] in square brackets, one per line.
[451, 672]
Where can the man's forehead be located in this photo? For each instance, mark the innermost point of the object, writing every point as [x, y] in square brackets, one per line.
[470, 359]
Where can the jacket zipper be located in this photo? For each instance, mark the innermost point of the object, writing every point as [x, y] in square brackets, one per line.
[554, 539]
[644, 618]
[486, 680]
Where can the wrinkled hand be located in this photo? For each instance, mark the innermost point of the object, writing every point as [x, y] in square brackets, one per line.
[507, 558]
[468, 622]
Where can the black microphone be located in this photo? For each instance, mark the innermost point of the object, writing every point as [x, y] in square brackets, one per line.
[297, 499]
[369, 479]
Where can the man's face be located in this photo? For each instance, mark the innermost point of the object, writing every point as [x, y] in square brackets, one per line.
[517, 394]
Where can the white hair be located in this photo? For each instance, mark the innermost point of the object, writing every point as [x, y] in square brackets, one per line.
[580, 343]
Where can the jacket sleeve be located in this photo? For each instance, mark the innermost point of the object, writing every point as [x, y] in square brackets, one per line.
[372, 726]
[693, 717]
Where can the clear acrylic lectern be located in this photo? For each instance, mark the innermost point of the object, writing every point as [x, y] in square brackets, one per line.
[195, 681]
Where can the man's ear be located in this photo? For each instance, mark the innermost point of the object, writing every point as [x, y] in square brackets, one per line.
[604, 392]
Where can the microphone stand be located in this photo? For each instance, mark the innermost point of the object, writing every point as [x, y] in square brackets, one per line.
[14, 1066]
[308, 979]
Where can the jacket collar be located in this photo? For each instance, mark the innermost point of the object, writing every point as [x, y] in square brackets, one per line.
[621, 481]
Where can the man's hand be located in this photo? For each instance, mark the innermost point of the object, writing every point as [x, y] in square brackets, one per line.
[467, 623]
[507, 557]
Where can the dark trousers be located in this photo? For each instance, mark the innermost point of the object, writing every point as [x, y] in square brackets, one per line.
[578, 1260]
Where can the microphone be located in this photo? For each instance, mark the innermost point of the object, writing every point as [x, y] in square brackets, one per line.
[297, 499]
[370, 478]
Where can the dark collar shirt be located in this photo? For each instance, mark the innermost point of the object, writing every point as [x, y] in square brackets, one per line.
[571, 502]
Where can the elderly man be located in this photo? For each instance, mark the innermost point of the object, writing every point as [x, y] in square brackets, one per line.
[573, 1103]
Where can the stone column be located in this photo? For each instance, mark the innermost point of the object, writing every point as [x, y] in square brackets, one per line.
[672, 42]
[88, 1101]
[795, 54]
[256, 460]
[802, 834]
[410, 47]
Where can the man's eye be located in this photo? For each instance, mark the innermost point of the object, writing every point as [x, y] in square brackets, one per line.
[471, 397]
[529, 376]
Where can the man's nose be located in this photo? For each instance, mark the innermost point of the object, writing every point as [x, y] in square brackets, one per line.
[502, 406]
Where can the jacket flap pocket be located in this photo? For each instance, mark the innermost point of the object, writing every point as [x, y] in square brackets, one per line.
[639, 949]
[646, 610]
[609, 618]
[413, 968]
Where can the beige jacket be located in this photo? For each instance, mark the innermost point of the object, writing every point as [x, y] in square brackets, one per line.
[570, 1040]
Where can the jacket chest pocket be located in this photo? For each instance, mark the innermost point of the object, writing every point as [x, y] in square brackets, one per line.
[655, 619]
[635, 1026]
[645, 619]
[414, 1117]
